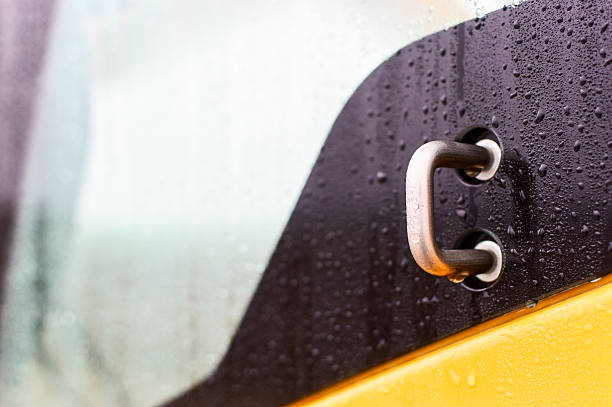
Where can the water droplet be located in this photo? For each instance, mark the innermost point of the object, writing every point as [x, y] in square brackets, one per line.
[384, 390]
[471, 379]
[598, 112]
[454, 377]
[539, 116]
[584, 230]
[495, 121]
[381, 176]
[577, 145]
[542, 170]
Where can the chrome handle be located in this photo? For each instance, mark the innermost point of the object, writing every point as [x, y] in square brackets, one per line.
[482, 158]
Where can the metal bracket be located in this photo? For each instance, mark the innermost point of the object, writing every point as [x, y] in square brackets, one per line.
[456, 265]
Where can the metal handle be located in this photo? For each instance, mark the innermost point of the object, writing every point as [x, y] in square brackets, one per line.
[456, 265]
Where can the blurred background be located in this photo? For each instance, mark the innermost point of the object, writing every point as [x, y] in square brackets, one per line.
[168, 143]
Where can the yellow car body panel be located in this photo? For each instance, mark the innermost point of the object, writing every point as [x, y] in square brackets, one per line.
[557, 353]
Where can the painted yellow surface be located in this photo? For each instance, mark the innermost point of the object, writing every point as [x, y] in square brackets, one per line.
[558, 355]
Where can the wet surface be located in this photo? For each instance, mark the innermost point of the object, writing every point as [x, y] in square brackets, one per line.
[342, 294]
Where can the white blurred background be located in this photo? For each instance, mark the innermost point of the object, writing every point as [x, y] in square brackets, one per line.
[171, 141]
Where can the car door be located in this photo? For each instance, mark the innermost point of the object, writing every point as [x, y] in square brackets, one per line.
[179, 232]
